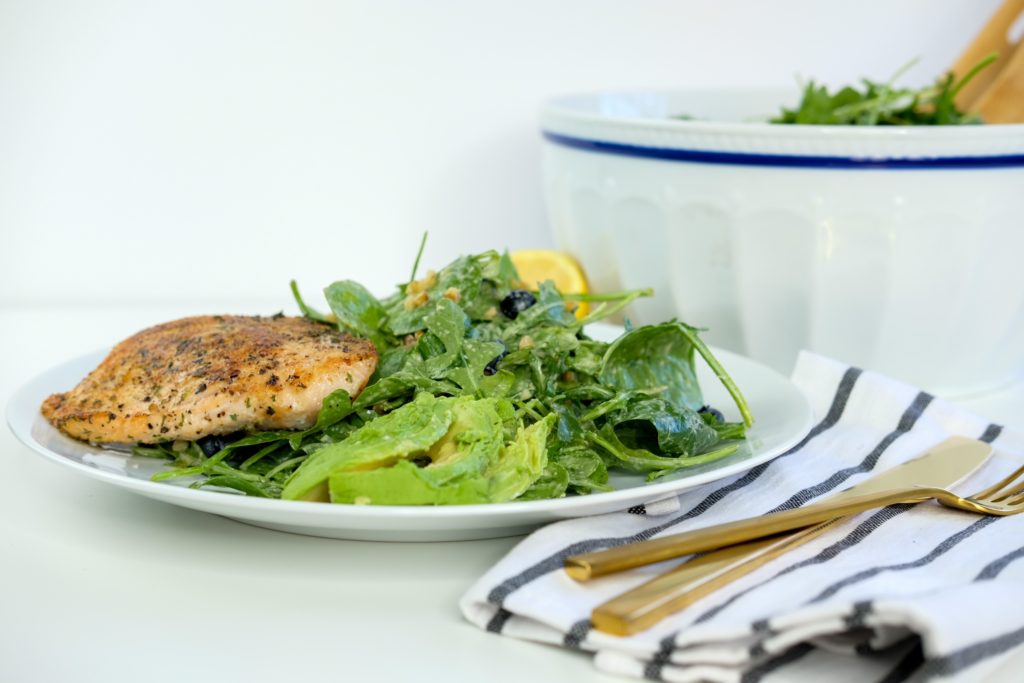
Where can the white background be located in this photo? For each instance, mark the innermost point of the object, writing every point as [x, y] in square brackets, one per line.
[207, 152]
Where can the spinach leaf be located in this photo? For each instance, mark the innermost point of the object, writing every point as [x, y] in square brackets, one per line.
[357, 311]
[391, 361]
[657, 426]
[657, 359]
[336, 407]
[660, 359]
[642, 460]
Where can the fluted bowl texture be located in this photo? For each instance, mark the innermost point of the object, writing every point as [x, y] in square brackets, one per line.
[898, 249]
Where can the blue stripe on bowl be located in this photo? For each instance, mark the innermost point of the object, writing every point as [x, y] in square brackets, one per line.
[782, 160]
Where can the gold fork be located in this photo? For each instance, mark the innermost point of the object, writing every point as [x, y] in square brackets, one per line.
[1002, 499]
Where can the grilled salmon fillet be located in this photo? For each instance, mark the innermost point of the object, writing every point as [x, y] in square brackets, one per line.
[212, 375]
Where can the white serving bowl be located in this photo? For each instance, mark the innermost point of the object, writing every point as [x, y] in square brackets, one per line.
[898, 249]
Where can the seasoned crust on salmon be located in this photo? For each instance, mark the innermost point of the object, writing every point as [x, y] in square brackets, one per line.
[212, 375]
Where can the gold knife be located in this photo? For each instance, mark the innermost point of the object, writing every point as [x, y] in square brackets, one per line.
[943, 465]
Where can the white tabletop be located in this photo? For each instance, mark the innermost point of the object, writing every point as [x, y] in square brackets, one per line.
[97, 584]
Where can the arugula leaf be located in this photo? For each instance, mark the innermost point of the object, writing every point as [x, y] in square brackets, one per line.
[552, 483]
[585, 469]
[245, 486]
[259, 438]
[419, 255]
[463, 278]
[411, 378]
[307, 311]
[587, 357]
[447, 323]
[470, 377]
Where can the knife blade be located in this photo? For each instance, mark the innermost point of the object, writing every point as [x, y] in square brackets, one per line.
[943, 465]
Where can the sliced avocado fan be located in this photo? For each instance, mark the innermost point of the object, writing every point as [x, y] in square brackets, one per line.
[433, 451]
[413, 428]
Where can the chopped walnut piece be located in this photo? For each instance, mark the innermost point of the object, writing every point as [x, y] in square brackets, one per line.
[411, 339]
[416, 300]
[423, 284]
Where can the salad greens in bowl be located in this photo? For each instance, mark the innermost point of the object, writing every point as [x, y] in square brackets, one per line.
[885, 103]
[485, 392]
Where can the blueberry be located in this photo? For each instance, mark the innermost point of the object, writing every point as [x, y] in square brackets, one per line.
[717, 414]
[517, 301]
[492, 367]
[211, 445]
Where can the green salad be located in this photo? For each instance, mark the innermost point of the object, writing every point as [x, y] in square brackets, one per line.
[485, 392]
[881, 103]
[885, 103]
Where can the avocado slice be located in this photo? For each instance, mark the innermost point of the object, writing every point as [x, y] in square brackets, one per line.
[432, 451]
[522, 462]
[451, 470]
[411, 429]
[469, 465]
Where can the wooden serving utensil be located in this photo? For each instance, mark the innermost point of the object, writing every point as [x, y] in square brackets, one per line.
[997, 92]
[1003, 101]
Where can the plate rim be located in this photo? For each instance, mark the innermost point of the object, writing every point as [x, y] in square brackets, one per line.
[22, 413]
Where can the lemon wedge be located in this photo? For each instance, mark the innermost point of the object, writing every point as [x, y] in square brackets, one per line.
[537, 265]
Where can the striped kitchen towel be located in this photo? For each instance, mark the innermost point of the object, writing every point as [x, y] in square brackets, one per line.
[896, 594]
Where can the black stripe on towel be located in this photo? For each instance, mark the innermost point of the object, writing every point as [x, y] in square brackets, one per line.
[497, 622]
[862, 531]
[991, 433]
[938, 551]
[996, 566]
[966, 657]
[913, 660]
[906, 423]
[858, 617]
[577, 634]
[652, 670]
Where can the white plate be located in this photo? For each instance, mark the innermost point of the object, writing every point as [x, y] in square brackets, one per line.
[782, 416]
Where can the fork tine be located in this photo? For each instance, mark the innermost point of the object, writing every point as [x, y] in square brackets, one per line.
[1012, 493]
[991, 491]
